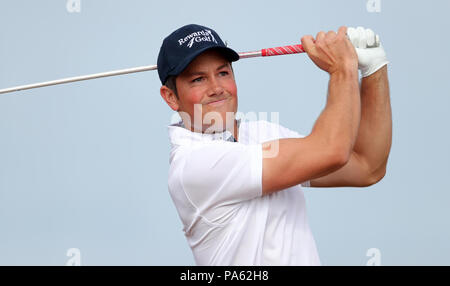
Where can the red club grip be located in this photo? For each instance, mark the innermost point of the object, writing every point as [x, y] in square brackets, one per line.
[285, 50]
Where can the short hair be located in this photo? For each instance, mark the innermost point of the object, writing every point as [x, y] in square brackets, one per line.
[171, 82]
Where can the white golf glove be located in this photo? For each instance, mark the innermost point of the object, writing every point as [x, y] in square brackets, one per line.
[371, 55]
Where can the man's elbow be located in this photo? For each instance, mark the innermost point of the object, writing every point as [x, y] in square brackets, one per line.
[375, 177]
[340, 156]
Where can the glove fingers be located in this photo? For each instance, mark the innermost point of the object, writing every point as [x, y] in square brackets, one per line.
[370, 38]
[361, 39]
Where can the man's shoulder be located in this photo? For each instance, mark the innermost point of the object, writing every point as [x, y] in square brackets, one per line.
[261, 125]
[269, 130]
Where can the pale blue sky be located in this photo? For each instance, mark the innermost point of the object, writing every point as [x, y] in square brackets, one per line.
[84, 165]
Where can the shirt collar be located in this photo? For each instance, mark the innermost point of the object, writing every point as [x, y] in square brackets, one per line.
[180, 135]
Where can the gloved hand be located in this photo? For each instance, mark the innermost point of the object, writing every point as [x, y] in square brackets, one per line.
[371, 55]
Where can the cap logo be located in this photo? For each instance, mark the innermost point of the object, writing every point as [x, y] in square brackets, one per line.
[197, 37]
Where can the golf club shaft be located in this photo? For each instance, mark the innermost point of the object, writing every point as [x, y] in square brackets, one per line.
[292, 49]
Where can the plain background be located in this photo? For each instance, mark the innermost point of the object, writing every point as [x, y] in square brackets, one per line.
[85, 165]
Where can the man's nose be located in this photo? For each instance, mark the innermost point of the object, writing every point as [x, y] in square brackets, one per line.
[215, 88]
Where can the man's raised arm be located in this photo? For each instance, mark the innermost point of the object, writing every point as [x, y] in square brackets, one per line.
[333, 136]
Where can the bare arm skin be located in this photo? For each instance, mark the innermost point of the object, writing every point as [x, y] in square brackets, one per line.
[369, 157]
[333, 137]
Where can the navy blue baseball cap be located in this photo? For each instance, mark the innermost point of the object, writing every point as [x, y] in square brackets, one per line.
[181, 47]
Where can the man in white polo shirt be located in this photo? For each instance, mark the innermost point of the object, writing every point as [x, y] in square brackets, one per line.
[237, 185]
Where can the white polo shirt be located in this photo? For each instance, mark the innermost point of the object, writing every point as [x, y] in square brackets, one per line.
[216, 186]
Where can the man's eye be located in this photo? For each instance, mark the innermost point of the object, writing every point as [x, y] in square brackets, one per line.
[223, 73]
[198, 79]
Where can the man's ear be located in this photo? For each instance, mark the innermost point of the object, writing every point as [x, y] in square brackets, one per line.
[169, 96]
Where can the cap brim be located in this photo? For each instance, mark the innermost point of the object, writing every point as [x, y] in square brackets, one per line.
[230, 54]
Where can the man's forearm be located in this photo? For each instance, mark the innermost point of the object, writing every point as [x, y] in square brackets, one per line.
[340, 119]
[374, 139]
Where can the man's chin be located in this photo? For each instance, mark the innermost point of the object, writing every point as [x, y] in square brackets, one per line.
[212, 121]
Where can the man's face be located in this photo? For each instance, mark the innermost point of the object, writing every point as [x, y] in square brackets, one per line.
[207, 88]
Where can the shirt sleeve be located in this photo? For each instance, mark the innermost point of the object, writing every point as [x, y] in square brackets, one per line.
[219, 175]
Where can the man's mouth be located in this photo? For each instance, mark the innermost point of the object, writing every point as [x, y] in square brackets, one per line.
[217, 102]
